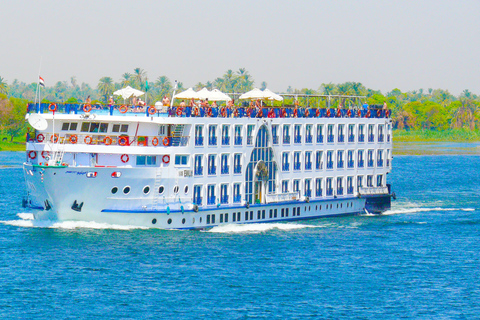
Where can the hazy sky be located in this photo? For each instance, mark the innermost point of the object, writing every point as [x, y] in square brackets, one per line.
[382, 44]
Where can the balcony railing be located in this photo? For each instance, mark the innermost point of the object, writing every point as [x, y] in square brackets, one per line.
[350, 190]
[237, 169]
[225, 141]
[212, 141]
[238, 141]
[286, 139]
[340, 191]
[371, 138]
[199, 141]
[380, 163]
[198, 171]
[318, 192]
[286, 167]
[225, 169]
[329, 164]
[370, 163]
[197, 200]
[212, 170]
[340, 164]
[224, 199]
[308, 166]
[211, 200]
[308, 138]
[308, 193]
[380, 137]
[249, 140]
[320, 139]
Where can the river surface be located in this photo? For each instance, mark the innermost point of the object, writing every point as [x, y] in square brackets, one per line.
[420, 260]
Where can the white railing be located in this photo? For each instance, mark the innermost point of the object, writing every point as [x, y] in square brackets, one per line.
[372, 190]
[288, 196]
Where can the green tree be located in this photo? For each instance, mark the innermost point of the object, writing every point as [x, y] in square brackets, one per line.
[139, 78]
[105, 88]
[12, 116]
[3, 86]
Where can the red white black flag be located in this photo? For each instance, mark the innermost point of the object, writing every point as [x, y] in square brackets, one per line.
[41, 81]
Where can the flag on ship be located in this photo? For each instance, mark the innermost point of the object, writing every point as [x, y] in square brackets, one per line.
[41, 81]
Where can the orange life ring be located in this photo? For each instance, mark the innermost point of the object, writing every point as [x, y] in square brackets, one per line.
[179, 111]
[87, 107]
[166, 141]
[123, 109]
[209, 111]
[196, 112]
[368, 114]
[123, 140]
[45, 154]
[52, 107]
[349, 113]
[89, 139]
[235, 113]
[54, 138]
[249, 112]
[32, 154]
[166, 158]
[295, 113]
[387, 113]
[107, 141]
[284, 113]
[339, 113]
[317, 113]
[152, 110]
[307, 113]
[124, 158]
[223, 112]
[328, 113]
[155, 141]
[379, 113]
[73, 139]
[359, 113]
[40, 137]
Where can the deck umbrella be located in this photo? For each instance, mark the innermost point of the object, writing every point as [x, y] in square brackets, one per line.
[128, 91]
[217, 95]
[272, 95]
[187, 94]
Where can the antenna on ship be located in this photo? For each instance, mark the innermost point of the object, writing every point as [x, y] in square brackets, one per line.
[174, 90]
[39, 83]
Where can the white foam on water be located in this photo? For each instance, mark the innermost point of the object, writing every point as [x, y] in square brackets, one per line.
[417, 210]
[27, 221]
[259, 227]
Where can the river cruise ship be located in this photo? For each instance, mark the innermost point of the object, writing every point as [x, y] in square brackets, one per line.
[181, 168]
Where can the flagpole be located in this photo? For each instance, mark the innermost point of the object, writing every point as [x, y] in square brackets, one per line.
[38, 84]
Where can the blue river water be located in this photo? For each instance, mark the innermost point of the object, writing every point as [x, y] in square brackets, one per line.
[420, 260]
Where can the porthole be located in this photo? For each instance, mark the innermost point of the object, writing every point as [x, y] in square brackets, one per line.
[154, 221]
[175, 189]
[126, 190]
[193, 220]
[185, 190]
[114, 190]
[200, 219]
[183, 221]
[161, 189]
[146, 190]
[169, 221]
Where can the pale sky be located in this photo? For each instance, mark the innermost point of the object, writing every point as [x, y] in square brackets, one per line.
[382, 44]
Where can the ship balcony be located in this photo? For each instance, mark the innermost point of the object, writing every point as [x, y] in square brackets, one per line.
[330, 138]
[237, 169]
[212, 141]
[388, 138]
[380, 163]
[211, 200]
[340, 164]
[320, 139]
[237, 198]
[370, 163]
[212, 170]
[286, 140]
[197, 201]
[249, 140]
[380, 138]
[286, 167]
[296, 166]
[225, 169]
[198, 171]
[361, 163]
[224, 199]
[297, 139]
[351, 164]
[329, 192]
[341, 138]
[318, 192]
[371, 138]
[351, 138]
[319, 165]
[340, 191]
[308, 193]
[308, 166]
[275, 139]
[199, 141]
[350, 190]
[308, 138]
[330, 165]
[225, 141]
[238, 141]
[361, 138]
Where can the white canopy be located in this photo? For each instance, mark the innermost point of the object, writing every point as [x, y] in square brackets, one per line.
[203, 94]
[128, 92]
[187, 94]
[217, 95]
[272, 95]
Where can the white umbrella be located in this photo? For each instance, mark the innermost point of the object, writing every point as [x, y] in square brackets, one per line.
[203, 94]
[272, 95]
[217, 95]
[253, 94]
[187, 94]
[128, 92]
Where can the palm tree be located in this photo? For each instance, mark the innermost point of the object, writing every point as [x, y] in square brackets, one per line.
[126, 80]
[105, 87]
[139, 76]
[163, 85]
[263, 86]
[327, 88]
[3, 86]
[199, 86]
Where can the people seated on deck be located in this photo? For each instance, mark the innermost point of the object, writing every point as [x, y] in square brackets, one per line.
[182, 104]
[271, 113]
[141, 103]
[295, 109]
[88, 100]
[165, 101]
[229, 108]
[365, 106]
[195, 108]
[385, 105]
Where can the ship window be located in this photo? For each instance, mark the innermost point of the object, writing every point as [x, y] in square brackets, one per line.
[275, 213]
[69, 126]
[146, 190]
[379, 180]
[185, 190]
[234, 217]
[284, 186]
[114, 190]
[94, 127]
[226, 217]
[296, 185]
[175, 189]
[126, 190]
[181, 159]
[120, 128]
[169, 221]
[221, 217]
[154, 221]
[183, 221]
[246, 215]
[161, 189]
[208, 219]
[146, 160]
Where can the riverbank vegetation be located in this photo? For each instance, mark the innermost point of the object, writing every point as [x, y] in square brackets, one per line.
[419, 115]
